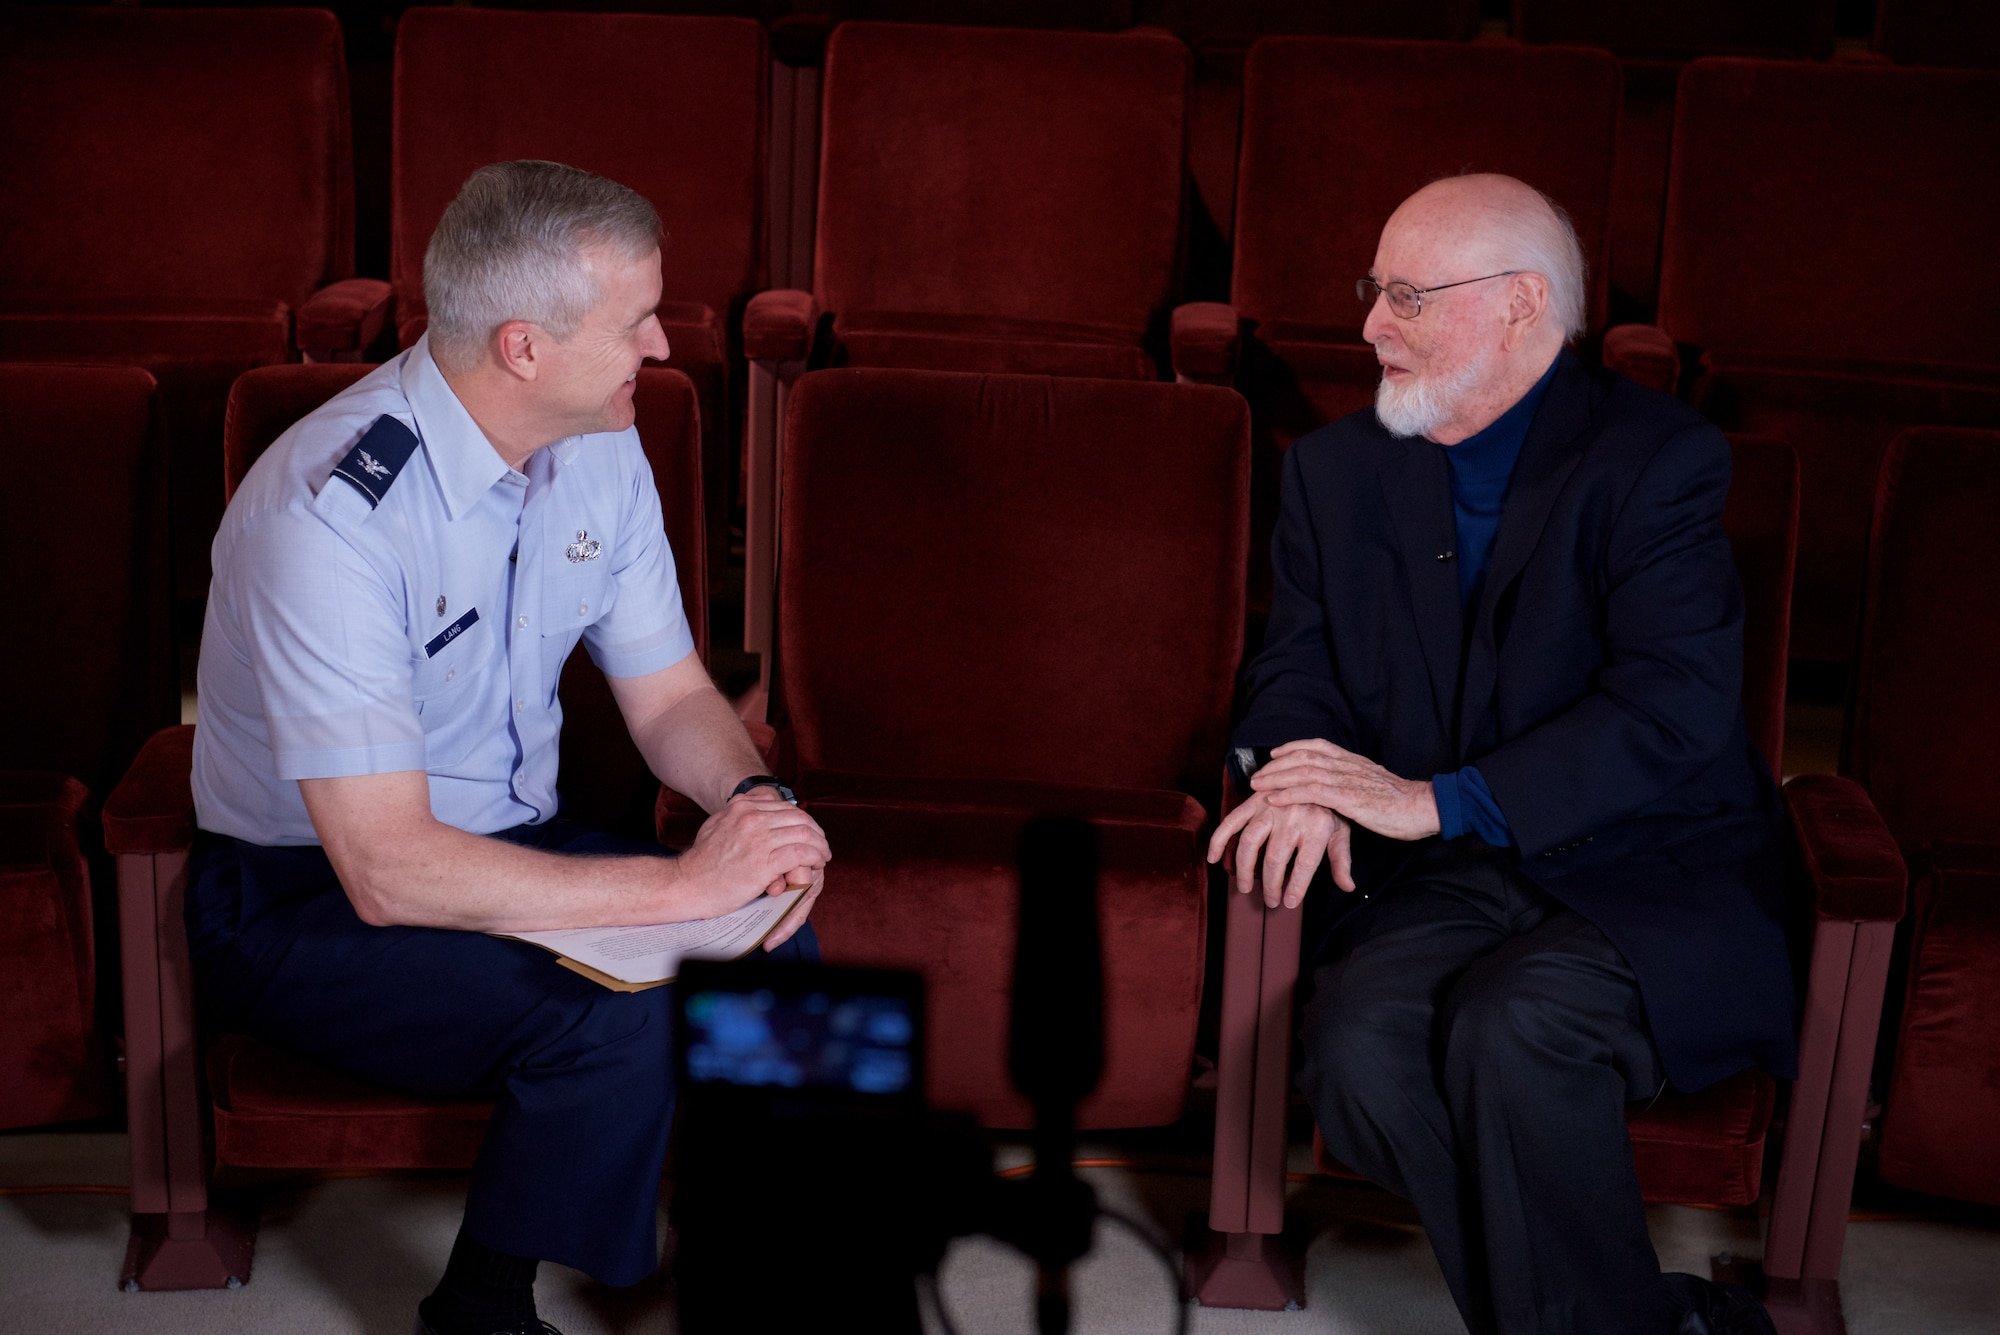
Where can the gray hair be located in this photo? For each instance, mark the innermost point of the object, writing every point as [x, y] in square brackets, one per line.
[1546, 243]
[511, 247]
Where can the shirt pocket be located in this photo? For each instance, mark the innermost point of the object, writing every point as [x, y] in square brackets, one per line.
[449, 687]
[572, 601]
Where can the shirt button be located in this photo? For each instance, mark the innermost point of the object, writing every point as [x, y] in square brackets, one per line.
[523, 623]
[520, 705]
[449, 673]
[582, 608]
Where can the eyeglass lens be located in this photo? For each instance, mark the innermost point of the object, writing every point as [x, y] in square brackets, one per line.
[1403, 298]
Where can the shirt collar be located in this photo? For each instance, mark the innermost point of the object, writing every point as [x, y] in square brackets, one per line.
[465, 462]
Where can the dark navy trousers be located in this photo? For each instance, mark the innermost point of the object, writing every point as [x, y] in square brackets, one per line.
[581, 1076]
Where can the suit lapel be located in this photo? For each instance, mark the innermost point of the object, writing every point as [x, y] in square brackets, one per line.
[1548, 456]
[1416, 490]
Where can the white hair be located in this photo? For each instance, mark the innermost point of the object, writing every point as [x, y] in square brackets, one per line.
[1544, 241]
[511, 247]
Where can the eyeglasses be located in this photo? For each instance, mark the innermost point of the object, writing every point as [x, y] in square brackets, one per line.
[1408, 301]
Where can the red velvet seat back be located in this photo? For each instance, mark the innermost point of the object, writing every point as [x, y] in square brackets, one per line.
[672, 107]
[1762, 518]
[1682, 29]
[90, 668]
[1012, 577]
[194, 155]
[1806, 198]
[1001, 174]
[605, 782]
[1924, 725]
[1938, 32]
[1337, 133]
[1240, 22]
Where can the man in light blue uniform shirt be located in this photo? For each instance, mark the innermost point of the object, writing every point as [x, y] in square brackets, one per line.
[397, 585]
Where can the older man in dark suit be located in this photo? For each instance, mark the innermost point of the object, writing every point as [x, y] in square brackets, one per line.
[1499, 698]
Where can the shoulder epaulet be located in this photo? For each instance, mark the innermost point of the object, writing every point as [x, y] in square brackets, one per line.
[371, 466]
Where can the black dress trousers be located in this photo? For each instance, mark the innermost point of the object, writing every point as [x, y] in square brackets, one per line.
[1471, 1045]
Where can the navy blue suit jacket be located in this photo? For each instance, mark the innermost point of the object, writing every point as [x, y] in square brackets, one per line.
[1596, 688]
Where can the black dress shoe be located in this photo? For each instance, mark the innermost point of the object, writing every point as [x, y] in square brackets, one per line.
[1709, 1308]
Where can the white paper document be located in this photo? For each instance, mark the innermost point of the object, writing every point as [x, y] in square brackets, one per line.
[646, 956]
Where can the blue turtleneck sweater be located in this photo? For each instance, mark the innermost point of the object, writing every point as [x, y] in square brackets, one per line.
[1481, 466]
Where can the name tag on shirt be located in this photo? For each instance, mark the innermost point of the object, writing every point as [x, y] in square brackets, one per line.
[451, 632]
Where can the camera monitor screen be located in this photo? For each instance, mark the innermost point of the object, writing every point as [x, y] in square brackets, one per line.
[777, 1027]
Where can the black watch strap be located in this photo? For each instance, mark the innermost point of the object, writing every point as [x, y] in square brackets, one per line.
[765, 781]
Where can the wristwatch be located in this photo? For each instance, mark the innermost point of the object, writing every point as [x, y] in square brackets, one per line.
[765, 781]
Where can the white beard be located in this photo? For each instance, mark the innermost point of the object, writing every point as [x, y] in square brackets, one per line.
[1425, 403]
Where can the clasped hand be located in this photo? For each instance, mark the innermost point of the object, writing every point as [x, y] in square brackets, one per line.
[759, 844]
[1302, 805]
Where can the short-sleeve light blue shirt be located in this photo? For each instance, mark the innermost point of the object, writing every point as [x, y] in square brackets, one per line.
[426, 632]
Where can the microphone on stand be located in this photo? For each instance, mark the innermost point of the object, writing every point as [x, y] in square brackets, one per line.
[1056, 1048]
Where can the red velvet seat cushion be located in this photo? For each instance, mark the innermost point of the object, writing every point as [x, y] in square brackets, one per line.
[925, 879]
[52, 1064]
[1000, 174]
[1705, 1148]
[1240, 22]
[1944, 1097]
[276, 1110]
[1013, 577]
[1925, 723]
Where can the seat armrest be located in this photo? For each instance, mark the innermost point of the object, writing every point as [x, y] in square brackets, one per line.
[344, 317]
[778, 326]
[1857, 872]
[1203, 338]
[1645, 353]
[152, 808]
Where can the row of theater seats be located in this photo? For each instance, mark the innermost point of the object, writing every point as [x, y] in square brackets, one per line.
[967, 639]
[997, 201]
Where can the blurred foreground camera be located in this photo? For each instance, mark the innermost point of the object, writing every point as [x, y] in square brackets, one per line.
[814, 1186]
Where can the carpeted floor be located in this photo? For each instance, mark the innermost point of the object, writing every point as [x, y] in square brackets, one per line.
[352, 1256]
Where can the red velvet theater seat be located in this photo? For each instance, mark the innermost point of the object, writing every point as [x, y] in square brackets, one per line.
[88, 674]
[674, 107]
[995, 200]
[1654, 40]
[1221, 32]
[1703, 1148]
[1924, 728]
[1003, 596]
[1797, 192]
[1938, 32]
[135, 232]
[1336, 134]
[272, 1110]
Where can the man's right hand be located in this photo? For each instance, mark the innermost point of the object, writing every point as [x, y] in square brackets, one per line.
[755, 840]
[1293, 835]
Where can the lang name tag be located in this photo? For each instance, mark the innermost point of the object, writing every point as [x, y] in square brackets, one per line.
[449, 633]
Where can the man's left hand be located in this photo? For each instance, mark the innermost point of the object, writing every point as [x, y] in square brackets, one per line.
[1356, 787]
